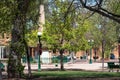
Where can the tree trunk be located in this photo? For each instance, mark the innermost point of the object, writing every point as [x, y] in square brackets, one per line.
[17, 46]
[61, 59]
[103, 51]
[28, 58]
[15, 54]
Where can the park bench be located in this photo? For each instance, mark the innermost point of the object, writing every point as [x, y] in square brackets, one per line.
[112, 66]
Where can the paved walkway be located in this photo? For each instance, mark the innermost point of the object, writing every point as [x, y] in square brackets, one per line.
[77, 65]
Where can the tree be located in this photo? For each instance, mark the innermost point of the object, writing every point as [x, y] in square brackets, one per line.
[64, 31]
[15, 14]
[103, 23]
[104, 36]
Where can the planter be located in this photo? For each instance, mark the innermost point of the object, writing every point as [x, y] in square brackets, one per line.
[95, 57]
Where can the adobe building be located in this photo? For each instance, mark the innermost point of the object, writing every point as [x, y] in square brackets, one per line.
[4, 50]
[4, 45]
[98, 53]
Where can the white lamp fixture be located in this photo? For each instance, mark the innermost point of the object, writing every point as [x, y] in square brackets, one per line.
[39, 33]
[91, 40]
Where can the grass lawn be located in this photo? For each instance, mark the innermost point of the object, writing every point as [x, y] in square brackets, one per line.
[75, 74]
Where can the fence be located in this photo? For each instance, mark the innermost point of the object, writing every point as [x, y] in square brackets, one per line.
[46, 60]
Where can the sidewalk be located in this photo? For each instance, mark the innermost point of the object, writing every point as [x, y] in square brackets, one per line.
[78, 65]
[67, 66]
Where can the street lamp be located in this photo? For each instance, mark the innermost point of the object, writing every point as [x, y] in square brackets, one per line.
[90, 43]
[119, 47]
[40, 50]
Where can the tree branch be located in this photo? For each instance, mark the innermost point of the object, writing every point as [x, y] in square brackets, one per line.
[102, 11]
[68, 9]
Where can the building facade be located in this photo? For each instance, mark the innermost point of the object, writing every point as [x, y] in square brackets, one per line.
[4, 45]
[4, 50]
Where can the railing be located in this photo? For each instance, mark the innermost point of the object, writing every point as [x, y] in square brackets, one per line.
[45, 60]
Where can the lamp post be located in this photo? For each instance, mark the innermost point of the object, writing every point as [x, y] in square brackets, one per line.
[119, 47]
[40, 50]
[90, 43]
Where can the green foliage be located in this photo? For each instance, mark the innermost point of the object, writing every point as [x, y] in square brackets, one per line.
[32, 38]
[107, 54]
[114, 6]
[63, 30]
[6, 15]
[104, 29]
[9, 9]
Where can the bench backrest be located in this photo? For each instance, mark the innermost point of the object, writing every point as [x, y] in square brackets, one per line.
[110, 64]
